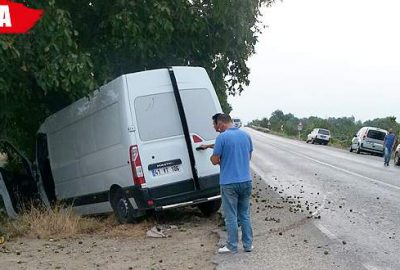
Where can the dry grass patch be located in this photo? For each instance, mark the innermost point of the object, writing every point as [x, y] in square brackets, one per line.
[43, 223]
[60, 222]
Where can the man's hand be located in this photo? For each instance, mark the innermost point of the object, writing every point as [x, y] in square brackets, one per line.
[202, 147]
[215, 160]
[205, 146]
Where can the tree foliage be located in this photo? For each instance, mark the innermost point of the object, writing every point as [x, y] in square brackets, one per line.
[79, 45]
[342, 128]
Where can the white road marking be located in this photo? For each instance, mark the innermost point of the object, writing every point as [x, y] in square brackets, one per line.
[319, 210]
[375, 181]
[325, 231]
[322, 228]
[371, 267]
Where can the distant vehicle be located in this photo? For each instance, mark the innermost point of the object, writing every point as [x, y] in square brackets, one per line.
[237, 122]
[319, 135]
[130, 146]
[397, 155]
[370, 140]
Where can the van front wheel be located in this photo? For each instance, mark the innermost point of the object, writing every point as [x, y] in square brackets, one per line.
[209, 208]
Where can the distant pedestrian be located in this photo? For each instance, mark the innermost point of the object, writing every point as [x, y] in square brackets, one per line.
[232, 151]
[389, 143]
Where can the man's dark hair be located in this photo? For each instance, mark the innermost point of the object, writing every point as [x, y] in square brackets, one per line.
[224, 118]
[215, 117]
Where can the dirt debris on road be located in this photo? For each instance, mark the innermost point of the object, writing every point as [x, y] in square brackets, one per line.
[189, 244]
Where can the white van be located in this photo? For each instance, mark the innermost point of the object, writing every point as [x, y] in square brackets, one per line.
[369, 139]
[130, 146]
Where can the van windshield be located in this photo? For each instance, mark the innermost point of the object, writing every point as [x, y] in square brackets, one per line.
[377, 135]
[323, 132]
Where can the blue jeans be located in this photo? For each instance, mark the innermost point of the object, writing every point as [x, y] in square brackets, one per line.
[388, 154]
[236, 204]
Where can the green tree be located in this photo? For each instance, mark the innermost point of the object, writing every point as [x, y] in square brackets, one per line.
[384, 123]
[79, 45]
[342, 129]
[40, 73]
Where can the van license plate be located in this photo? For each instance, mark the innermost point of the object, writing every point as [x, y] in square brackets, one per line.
[165, 170]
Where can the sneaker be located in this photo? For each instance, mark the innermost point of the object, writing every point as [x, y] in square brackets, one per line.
[249, 249]
[225, 250]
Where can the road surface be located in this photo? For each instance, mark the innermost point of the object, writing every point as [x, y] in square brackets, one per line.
[344, 209]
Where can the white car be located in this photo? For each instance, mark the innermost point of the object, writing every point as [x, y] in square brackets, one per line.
[369, 139]
[397, 155]
[319, 135]
[237, 122]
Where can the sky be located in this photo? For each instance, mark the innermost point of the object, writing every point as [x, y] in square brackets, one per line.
[326, 58]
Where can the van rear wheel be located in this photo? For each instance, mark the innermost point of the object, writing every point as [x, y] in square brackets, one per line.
[209, 208]
[123, 209]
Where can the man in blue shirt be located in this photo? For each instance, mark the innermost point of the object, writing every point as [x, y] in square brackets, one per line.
[232, 151]
[388, 143]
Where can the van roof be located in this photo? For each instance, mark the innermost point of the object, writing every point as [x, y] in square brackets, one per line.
[145, 83]
[375, 128]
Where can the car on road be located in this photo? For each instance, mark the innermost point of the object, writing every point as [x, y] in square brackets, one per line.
[397, 155]
[369, 140]
[237, 122]
[319, 135]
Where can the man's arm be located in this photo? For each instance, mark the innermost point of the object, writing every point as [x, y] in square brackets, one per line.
[205, 146]
[216, 156]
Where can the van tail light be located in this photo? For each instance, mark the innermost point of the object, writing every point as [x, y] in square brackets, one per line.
[136, 164]
[197, 139]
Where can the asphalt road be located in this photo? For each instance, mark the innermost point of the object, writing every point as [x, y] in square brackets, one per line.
[347, 213]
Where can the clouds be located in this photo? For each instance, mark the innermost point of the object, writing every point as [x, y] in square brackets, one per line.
[326, 58]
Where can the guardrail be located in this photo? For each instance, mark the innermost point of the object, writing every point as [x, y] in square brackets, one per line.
[266, 130]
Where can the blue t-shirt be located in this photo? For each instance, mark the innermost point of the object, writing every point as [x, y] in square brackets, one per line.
[234, 147]
[389, 140]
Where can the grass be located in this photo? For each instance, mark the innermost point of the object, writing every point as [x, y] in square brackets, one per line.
[60, 222]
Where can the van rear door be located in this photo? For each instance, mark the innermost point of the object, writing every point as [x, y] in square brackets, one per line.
[200, 103]
[374, 139]
[162, 147]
